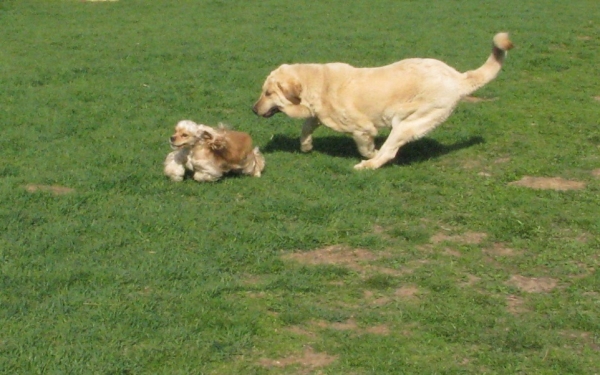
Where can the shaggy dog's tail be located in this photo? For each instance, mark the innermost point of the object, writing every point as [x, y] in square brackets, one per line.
[474, 79]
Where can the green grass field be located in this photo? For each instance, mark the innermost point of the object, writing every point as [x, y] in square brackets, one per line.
[434, 264]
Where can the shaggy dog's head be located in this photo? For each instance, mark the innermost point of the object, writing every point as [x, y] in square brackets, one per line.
[281, 92]
[187, 134]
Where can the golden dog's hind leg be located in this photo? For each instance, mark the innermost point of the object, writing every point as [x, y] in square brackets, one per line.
[306, 141]
[413, 127]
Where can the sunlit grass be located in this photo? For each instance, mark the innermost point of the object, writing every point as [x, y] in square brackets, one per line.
[433, 264]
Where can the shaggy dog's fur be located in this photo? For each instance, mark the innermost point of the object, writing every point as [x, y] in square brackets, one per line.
[211, 152]
[411, 96]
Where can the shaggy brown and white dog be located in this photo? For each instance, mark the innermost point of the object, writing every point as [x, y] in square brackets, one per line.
[411, 96]
[211, 152]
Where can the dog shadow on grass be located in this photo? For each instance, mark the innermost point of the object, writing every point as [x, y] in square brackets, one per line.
[413, 152]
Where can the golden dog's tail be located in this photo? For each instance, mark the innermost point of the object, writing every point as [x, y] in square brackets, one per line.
[474, 79]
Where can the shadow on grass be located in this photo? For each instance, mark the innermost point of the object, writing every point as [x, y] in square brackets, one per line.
[417, 151]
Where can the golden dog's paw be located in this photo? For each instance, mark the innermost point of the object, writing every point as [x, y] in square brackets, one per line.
[306, 147]
[365, 164]
[368, 154]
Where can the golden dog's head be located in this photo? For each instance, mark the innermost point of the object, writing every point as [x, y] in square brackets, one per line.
[281, 92]
[186, 134]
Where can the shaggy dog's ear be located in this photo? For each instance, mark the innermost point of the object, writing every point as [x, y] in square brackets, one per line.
[213, 142]
[205, 135]
[291, 90]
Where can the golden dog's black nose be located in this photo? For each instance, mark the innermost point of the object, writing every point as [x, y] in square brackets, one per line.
[255, 110]
[172, 139]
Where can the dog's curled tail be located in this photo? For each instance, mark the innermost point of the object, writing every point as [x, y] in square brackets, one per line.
[475, 79]
[259, 162]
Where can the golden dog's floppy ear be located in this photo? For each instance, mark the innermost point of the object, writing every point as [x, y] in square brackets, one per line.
[291, 90]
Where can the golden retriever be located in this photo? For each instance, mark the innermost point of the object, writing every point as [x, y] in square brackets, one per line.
[411, 96]
[211, 152]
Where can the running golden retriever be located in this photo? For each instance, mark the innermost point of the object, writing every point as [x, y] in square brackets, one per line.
[411, 96]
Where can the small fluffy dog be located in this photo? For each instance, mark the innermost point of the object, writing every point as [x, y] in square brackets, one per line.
[411, 96]
[211, 152]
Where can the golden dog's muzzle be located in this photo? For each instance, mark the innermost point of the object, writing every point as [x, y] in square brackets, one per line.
[268, 113]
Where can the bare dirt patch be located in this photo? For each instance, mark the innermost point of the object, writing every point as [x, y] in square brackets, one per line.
[354, 259]
[308, 360]
[54, 189]
[407, 291]
[369, 296]
[474, 99]
[583, 237]
[471, 164]
[348, 325]
[380, 231]
[596, 172]
[515, 305]
[335, 255]
[585, 338]
[381, 301]
[256, 295]
[584, 271]
[533, 284]
[468, 238]
[502, 160]
[301, 331]
[252, 280]
[351, 325]
[382, 330]
[471, 280]
[452, 252]
[499, 249]
[548, 183]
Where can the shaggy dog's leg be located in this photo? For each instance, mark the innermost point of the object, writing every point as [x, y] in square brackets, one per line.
[306, 142]
[205, 177]
[259, 159]
[175, 165]
[255, 164]
[205, 169]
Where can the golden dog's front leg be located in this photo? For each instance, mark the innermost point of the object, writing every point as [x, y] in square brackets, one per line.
[306, 141]
[365, 143]
[387, 152]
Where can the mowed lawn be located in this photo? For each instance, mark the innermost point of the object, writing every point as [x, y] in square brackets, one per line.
[477, 251]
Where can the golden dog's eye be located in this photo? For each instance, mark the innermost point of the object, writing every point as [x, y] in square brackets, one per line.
[184, 135]
[268, 93]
